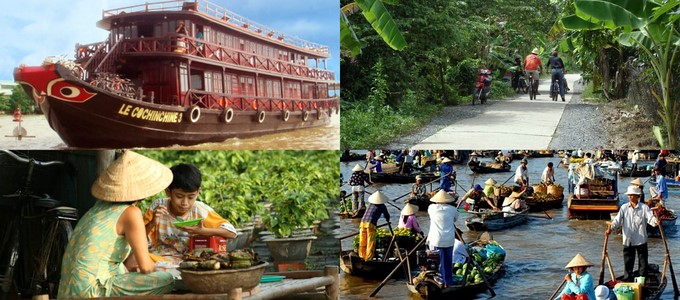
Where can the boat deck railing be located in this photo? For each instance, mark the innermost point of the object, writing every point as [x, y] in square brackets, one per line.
[209, 51]
[214, 100]
[223, 15]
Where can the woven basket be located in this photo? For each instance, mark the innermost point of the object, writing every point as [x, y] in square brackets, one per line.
[556, 191]
[222, 281]
[540, 188]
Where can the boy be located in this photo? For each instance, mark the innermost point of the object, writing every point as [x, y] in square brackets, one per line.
[165, 238]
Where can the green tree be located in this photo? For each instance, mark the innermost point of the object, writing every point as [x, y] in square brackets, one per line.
[380, 19]
[645, 25]
[19, 97]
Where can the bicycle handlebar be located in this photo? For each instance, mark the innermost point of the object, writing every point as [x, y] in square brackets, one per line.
[35, 162]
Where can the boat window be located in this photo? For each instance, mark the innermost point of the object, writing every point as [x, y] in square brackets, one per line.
[146, 30]
[208, 82]
[228, 82]
[183, 77]
[261, 88]
[270, 88]
[217, 82]
[196, 78]
[277, 89]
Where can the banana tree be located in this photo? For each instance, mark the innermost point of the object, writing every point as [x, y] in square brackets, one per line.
[380, 19]
[647, 25]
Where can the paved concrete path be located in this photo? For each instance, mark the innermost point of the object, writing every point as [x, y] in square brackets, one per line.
[516, 123]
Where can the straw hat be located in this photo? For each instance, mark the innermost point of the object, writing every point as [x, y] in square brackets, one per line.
[442, 197]
[409, 209]
[418, 177]
[473, 154]
[379, 158]
[357, 168]
[131, 177]
[524, 160]
[509, 199]
[636, 181]
[633, 190]
[446, 160]
[377, 198]
[578, 261]
[490, 181]
[535, 51]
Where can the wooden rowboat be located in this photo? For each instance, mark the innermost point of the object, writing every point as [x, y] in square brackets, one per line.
[668, 223]
[641, 171]
[429, 289]
[486, 167]
[402, 178]
[541, 205]
[352, 264]
[489, 220]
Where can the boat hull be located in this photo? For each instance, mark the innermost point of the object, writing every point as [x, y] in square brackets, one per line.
[591, 209]
[107, 120]
[401, 178]
[374, 269]
[497, 221]
[488, 168]
[545, 204]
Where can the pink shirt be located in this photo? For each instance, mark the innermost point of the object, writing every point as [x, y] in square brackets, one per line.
[411, 223]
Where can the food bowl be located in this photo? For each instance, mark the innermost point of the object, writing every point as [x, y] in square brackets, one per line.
[222, 281]
[193, 222]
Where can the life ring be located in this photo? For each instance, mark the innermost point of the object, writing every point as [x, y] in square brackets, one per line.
[194, 113]
[508, 160]
[227, 115]
[260, 116]
[305, 115]
[286, 115]
[319, 113]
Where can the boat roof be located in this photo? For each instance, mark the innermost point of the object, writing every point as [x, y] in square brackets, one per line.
[219, 15]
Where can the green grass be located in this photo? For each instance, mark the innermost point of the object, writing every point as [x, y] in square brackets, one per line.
[590, 94]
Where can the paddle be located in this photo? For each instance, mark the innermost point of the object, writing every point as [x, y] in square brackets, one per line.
[344, 204]
[670, 264]
[513, 175]
[353, 234]
[488, 285]
[392, 241]
[377, 289]
[604, 256]
[558, 289]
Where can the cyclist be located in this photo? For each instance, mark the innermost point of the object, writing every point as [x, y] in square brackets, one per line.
[113, 231]
[555, 63]
[533, 66]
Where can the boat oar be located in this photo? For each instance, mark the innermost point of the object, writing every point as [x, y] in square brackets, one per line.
[558, 289]
[377, 289]
[513, 175]
[670, 264]
[488, 285]
[604, 256]
[353, 234]
[392, 241]
[393, 205]
[344, 204]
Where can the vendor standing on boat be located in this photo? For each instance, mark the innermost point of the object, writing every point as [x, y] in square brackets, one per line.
[356, 181]
[443, 216]
[522, 174]
[660, 191]
[369, 222]
[474, 197]
[633, 218]
[579, 281]
[634, 160]
[548, 175]
[447, 174]
[661, 163]
[408, 220]
[418, 190]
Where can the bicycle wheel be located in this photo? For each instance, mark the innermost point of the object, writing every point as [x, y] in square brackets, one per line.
[45, 279]
[532, 96]
[11, 252]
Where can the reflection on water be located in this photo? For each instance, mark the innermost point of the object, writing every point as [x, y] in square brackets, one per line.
[537, 251]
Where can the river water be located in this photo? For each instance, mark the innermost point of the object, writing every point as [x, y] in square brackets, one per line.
[317, 138]
[536, 251]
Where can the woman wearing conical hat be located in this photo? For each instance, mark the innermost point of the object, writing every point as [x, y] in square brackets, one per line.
[112, 231]
[489, 187]
[579, 281]
[356, 181]
[369, 222]
[443, 216]
[447, 174]
[514, 203]
[408, 220]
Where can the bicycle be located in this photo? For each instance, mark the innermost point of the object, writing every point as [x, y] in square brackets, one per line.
[554, 90]
[532, 87]
[39, 220]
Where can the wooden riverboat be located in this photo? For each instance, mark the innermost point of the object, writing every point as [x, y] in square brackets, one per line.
[488, 220]
[535, 204]
[351, 156]
[487, 167]
[654, 285]
[667, 221]
[430, 289]
[395, 177]
[641, 171]
[352, 264]
[182, 73]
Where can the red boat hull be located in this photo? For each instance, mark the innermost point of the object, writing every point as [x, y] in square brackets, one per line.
[85, 116]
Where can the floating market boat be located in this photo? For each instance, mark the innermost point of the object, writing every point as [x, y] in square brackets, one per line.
[641, 171]
[402, 178]
[182, 73]
[351, 156]
[427, 287]
[597, 198]
[489, 220]
[668, 218]
[487, 167]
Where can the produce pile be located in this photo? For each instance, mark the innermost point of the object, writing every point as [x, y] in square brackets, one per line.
[545, 196]
[207, 259]
[663, 214]
[503, 191]
[404, 237]
[488, 256]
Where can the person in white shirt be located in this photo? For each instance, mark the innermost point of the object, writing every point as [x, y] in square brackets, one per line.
[633, 218]
[634, 160]
[460, 254]
[522, 174]
[443, 216]
[548, 176]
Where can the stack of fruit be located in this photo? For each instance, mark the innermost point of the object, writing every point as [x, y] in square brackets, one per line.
[207, 259]
[485, 258]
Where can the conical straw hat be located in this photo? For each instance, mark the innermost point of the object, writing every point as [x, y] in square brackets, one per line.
[442, 197]
[356, 168]
[377, 198]
[131, 177]
[409, 209]
[446, 160]
[578, 261]
[490, 181]
[636, 181]
[509, 199]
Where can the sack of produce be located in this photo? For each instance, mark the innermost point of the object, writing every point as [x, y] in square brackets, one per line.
[540, 188]
[555, 190]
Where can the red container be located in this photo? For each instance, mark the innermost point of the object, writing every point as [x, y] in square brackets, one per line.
[217, 243]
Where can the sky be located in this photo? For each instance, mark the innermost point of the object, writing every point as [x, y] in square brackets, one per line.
[35, 29]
